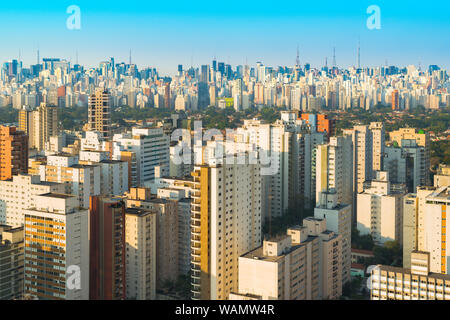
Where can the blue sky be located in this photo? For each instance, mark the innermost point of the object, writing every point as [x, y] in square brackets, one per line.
[163, 34]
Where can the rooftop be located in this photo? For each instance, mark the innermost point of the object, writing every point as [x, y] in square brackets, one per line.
[57, 195]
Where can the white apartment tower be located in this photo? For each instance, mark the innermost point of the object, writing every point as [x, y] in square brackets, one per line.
[19, 194]
[380, 210]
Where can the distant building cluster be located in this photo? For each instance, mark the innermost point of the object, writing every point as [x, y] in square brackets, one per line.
[108, 214]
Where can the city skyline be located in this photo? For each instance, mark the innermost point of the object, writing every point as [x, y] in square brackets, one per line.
[164, 36]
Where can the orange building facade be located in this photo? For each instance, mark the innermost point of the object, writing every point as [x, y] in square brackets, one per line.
[13, 152]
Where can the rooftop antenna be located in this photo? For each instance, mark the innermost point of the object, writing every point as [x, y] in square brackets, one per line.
[334, 56]
[326, 62]
[297, 61]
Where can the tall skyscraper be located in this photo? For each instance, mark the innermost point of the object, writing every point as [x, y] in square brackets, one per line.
[167, 101]
[205, 74]
[51, 260]
[334, 169]
[140, 228]
[395, 101]
[362, 159]
[13, 152]
[378, 143]
[99, 113]
[107, 275]
[226, 223]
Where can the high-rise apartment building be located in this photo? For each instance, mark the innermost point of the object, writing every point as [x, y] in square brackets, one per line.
[166, 212]
[380, 210]
[11, 262]
[57, 248]
[415, 283]
[140, 238]
[225, 223]
[362, 159]
[81, 180]
[431, 224]
[403, 138]
[280, 269]
[179, 190]
[113, 173]
[395, 100]
[339, 220]
[40, 125]
[107, 269]
[143, 149]
[289, 147]
[378, 143]
[19, 194]
[334, 169]
[330, 255]
[99, 113]
[13, 152]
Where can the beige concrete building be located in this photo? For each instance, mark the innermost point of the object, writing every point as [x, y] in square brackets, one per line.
[417, 283]
[140, 238]
[279, 270]
[19, 194]
[402, 137]
[362, 155]
[99, 117]
[57, 248]
[40, 125]
[11, 262]
[334, 169]
[330, 255]
[166, 212]
[432, 236]
[339, 220]
[81, 180]
[225, 223]
[379, 210]
[378, 142]
[284, 268]
[306, 264]
[442, 177]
